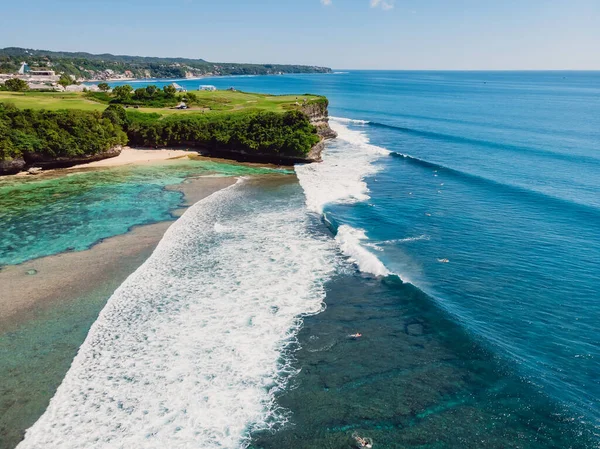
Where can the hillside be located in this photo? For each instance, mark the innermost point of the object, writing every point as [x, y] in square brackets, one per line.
[90, 66]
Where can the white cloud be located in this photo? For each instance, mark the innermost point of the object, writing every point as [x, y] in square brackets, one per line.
[326, 2]
[386, 5]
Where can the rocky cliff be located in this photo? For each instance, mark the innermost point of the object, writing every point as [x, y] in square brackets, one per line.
[46, 162]
[319, 117]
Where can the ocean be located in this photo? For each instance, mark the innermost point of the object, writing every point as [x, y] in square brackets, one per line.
[453, 224]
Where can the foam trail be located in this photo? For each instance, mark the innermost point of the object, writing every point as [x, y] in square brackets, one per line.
[350, 121]
[187, 352]
[340, 179]
[349, 240]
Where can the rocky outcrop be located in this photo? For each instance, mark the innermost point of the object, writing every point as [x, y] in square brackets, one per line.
[11, 166]
[319, 117]
[35, 162]
[47, 162]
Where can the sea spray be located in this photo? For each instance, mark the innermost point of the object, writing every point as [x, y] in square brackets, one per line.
[339, 179]
[188, 351]
[350, 240]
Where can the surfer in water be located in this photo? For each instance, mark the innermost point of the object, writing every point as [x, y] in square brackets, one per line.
[362, 442]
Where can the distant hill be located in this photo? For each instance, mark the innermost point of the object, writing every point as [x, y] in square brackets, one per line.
[90, 66]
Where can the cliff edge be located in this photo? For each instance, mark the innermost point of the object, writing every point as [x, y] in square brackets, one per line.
[318, 115]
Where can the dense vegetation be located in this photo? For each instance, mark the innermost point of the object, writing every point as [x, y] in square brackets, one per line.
[15, 85]
[149, 96]
[55, 133]
[29, 133]
[89, 66]
[287, 134]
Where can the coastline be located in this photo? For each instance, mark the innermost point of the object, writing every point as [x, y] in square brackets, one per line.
[131, 155]
[48, 304]
[127, 156]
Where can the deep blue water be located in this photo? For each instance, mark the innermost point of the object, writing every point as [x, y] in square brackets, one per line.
[484, 193]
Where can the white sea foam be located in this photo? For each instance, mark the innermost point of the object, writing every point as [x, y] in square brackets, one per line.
[347, 161]
[350, 121]
[340, 177]
[405, 240]
[187, 352]
[349, 240]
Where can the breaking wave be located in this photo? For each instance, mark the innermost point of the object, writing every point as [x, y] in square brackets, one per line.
[188, 351]
[339, 179]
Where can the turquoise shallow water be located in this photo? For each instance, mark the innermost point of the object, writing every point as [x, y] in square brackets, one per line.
[72, 212]
[47, 216]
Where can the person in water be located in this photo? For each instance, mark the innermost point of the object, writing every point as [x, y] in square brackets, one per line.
[363, 442]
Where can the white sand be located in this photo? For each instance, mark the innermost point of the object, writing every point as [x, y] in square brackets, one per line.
[134, 156]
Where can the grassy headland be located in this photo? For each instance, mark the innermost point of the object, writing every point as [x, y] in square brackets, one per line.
[59, 129]
[207, 101]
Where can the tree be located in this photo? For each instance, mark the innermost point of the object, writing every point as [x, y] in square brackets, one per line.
[122, 92]
[190, 98]
[169, 91]
[104, 87]
[65, 80]
[116, 114]
[16, 85]
[140, 93]
[151, 90]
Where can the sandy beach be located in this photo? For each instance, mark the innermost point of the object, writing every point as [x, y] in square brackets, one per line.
[136, 156]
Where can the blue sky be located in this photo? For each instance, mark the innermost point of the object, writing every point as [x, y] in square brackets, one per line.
[343, 34]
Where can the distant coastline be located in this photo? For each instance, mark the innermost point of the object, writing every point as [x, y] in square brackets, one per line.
[84, 67]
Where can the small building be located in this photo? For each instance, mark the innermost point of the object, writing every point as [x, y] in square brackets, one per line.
[42, 75]
[208, 87]
[45, 86]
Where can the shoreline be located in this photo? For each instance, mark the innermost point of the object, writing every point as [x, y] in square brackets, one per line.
[131, 155]
[128, 156]
[26, 295]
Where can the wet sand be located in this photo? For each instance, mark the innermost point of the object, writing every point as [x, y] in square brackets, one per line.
[29, 288]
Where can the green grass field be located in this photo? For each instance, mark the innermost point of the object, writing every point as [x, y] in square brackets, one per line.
[220, 101]
[50, 100]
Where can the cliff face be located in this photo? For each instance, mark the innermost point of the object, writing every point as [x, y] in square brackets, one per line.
[319, 117]
[43, 161]
[14, 166]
